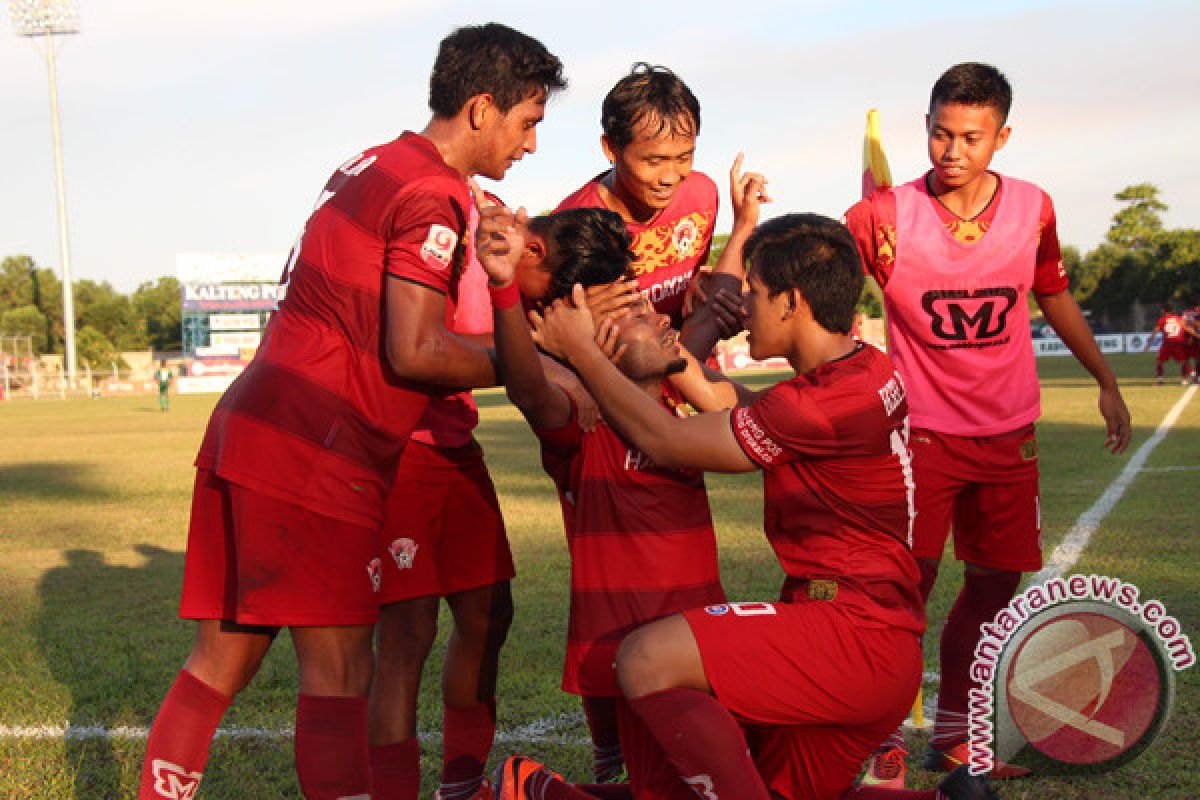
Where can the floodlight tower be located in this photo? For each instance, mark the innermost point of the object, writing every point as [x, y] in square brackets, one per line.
[43, 20]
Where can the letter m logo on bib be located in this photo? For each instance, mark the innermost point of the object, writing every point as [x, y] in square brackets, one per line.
[961, 315]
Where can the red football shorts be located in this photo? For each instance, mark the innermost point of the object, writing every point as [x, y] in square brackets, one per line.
[256, 560]
[1173, 351]
[442, 531]
[819, 686]
[984, 488]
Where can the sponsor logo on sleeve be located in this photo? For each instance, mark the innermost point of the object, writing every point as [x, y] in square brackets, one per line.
[438, 250]
[751, 434]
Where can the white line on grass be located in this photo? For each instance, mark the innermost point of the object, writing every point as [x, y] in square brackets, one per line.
[1072, 546]
[538, 730]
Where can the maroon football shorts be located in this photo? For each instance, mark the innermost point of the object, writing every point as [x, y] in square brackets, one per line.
[1173, 351]
[818, 684]
[985, 488]
[442, 531]
[256, 560]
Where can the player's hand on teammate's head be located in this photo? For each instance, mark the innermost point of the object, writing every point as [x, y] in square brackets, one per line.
[1116, 420]
[608, 339]
[697, 291]
[613, 298]
[499, 238]
[565, 329]
[747, 191]
[729, 312]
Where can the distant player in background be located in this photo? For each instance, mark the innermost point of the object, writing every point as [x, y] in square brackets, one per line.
[650, 120]
[443, 536]
[1191, 319]
[956, 252]
[164, 376]
[1176, 344]
[301, 451]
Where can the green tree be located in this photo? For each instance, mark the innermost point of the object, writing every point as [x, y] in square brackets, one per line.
[157, 304]
[16, 282]
[25, 321]
[95, 349]
[1138, 224]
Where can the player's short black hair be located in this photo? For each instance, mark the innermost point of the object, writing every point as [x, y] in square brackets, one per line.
[815, 255]
[1167, 307]
[973, 84]
[649, 89]
[490, 59]
[590, 246]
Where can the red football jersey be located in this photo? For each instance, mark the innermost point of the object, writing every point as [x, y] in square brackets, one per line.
[1173, 329]
[318, 418]
[837, 483]
[641, 542]
[669, 249]
[872, 221]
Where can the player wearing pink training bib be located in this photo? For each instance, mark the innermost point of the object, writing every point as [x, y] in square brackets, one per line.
[957, 252]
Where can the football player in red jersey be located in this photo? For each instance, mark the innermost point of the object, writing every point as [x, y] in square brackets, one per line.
[443, 506]
[641, 538]
[300, 451]
[650, 120]
[826, 673]
[1176, 343]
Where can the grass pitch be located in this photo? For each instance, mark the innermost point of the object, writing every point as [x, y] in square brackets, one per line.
[94, 497]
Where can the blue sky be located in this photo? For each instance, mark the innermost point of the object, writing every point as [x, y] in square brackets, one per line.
[211, 126]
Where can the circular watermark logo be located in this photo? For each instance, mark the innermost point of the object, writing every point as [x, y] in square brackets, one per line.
[1075, 675]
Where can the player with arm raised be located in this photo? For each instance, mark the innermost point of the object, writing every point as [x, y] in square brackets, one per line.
[443, 535]
[957, 252]
[829, 670]
[641, 538]
[301, 450]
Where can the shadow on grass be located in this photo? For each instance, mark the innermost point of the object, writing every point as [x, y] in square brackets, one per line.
[109, 635]
[52, 480]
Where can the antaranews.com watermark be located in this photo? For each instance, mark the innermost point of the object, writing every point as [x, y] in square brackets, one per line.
[1075, 675]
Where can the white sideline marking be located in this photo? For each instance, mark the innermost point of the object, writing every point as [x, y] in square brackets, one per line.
[539, 730]
[1073, 544]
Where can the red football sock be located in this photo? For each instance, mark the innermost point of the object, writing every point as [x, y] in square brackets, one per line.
[982, 596]
[702, 741]
[396, 771]
[331, 747]
[541, 785]
[177, 748]
[601, 713]
[929, 573]
[467, 734]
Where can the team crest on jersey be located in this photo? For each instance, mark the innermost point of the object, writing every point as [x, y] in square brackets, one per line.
[404, 551]
[684, 237]
[173, 781]
[717, 610]
[438, 250]
[375, 573]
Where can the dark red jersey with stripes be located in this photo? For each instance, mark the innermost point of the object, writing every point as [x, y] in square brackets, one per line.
[318, 418]
[837, 484]
[641, 542]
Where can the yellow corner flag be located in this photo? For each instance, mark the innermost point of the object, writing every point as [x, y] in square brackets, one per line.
[876, 173]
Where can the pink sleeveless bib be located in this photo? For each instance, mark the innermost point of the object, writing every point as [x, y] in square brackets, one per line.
[958, 317]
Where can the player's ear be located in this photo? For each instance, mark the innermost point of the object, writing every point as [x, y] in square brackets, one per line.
[610, 152]
[1002, 136]
[535, 246]
[478, 109]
